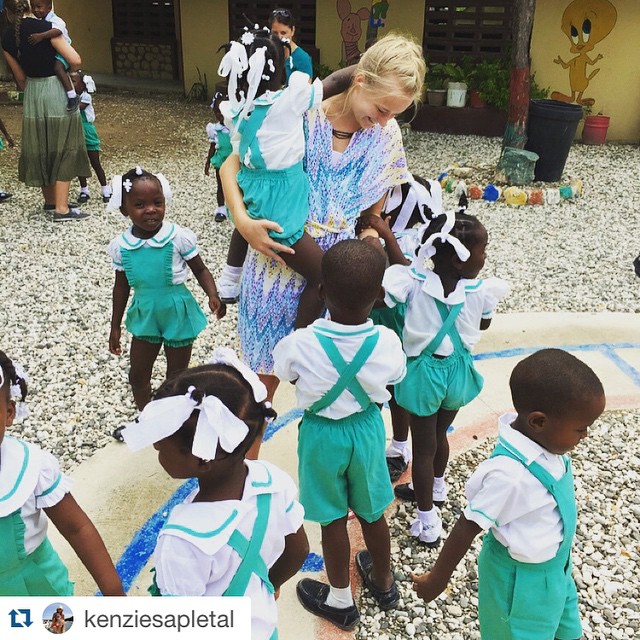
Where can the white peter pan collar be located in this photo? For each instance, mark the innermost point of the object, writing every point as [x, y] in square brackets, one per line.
[433, 287]
[529, 449]
[209, 525]
[164, 235]
[19, 472]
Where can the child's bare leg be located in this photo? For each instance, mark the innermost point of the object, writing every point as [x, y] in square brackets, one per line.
[441, 459]
[336, 550]
[94, 159]
[219, 191]
[424, 444]
[237, 250]
[378, 542]
[306, 261]
[177, 358]
[399, 420]
[83, 182]
[63, 76]
[142, 355]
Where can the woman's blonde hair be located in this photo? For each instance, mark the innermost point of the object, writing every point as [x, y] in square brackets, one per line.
[395, 61]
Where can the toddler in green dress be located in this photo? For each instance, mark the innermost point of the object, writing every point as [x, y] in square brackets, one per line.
[32, 485]
[523, 496]
[153, 257]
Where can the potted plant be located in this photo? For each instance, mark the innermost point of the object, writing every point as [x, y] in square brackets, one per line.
[436, 89]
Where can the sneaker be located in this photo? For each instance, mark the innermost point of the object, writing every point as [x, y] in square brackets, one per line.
[312, 595]
[220, 214]
[72, 214]
[386, 599]
[52, 207]
[73, 104]
[440, 495]
[405, 492]
[428, 534]
[396, 466]
[4, 196]
[83, 197]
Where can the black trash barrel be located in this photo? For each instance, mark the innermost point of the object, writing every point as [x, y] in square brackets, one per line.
[550, 132]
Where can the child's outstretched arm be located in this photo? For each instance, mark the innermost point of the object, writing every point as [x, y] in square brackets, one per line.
[375, 222]
[337, 82]
[35, 38]
[6, 134]
[207, 164]
[74, 524]
[432, 584]
[296, 549]
[121, 291]
[206, 281]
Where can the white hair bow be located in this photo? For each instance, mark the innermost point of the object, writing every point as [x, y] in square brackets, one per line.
[233, 65]
[419, 196]
[254, 77]
[89, 82]
[15, 392]
[162, 418]
[224, 355]
[427, 250]
[115, 201]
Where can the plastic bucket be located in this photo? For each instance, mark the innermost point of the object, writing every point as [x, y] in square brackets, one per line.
[456, 94]
[551, 130]
[595, 129]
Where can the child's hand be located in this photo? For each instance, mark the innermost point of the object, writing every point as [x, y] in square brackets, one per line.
[217, 307]
[372, 221]
[35, 38]
[114, 341]
[427, 586]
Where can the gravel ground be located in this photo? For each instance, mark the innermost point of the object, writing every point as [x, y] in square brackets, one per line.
[56, 304]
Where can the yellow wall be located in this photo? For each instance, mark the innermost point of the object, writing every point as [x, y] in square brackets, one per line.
[407, 17]
[91, 30]
[616, 88]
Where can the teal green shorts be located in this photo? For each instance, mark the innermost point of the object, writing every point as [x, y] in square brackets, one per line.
[522, 601]
[434, 383]
[390, 317]
[341, 465]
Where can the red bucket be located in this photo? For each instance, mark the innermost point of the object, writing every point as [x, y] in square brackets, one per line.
[595, 129]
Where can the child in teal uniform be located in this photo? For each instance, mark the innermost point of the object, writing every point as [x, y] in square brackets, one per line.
[154, 258]
[33, 490]
[219, 150]
[444, 311]
[341, 368]
[239, 533]
[523, 496]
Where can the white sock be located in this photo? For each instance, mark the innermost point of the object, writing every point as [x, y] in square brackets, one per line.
[72, 94]
[428, 517]
[339, 598]
[399, 448]
[231, 274]
[438, 483]
[84, 190]
[106, 191]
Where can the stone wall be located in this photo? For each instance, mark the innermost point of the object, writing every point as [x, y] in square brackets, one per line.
[145, 60]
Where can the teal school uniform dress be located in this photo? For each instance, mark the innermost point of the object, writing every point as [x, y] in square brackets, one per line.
[162, 310]
[88, 116]
[30, 479]
[219, 135]
[531, 601]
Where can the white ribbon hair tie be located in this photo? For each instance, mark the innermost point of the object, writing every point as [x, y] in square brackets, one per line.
[89, 82]
[162, 418]
[15, 392]
[115, 201]
[257, 63]
[233, 65]
[418, 195]
[427, 250]
[224, 355]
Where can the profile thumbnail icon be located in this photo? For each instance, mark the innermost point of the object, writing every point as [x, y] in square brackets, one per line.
[57, 618]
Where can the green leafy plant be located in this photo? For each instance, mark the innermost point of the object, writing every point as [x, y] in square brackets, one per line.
[436, 78]
[199, 91]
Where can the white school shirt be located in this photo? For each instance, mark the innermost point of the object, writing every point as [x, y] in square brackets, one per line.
[184, 247]
[300, 357]
[423, 320]
[204, 565]
[58, 23]
[281, 136]
[508, 499]
[30, 480]
[89, 111]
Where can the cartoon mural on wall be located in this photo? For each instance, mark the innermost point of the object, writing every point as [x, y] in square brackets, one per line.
[585, 23]
[376, 20]
[351, 30]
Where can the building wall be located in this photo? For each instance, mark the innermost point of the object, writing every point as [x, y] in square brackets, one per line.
[90, 26]
[615, 88]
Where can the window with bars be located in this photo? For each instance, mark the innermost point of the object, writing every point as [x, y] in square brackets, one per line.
[258, 12]
[144, 20]
[476, 28]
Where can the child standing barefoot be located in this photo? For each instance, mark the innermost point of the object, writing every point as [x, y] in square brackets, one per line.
[33, 490]
[219, 150]
[85, 85]
[446, 309]
[154, 257]
[341, 368]
[523, 496]
[240, 532]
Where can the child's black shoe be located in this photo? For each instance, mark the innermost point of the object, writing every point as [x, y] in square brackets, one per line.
[73, 104]
[636, 266]
[313, 597]
[386, 599]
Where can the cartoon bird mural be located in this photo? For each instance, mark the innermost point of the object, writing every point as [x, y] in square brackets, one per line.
[585, 23]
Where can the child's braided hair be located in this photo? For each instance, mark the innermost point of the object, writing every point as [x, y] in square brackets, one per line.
[10, 376]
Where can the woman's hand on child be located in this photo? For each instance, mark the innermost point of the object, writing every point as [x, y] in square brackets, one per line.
[114, 341]
[375, 222]
[428, 586]
[256, 233]
[218, 308]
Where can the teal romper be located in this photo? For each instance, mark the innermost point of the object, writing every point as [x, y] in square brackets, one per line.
[160, 312]
[341, 463]
[91, 138]
[41, 572]
[223, 148]
[280, 195]
[434, 383]
[531, 601]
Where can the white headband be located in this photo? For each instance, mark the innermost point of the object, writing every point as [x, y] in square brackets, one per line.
[418, 195]
[427, 250]
[115, 201]
[233, 65]
[15, 392]
[89, 82]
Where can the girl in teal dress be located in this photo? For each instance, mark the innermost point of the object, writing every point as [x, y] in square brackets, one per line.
[154, 257]
[33, 490]
[219, 150]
